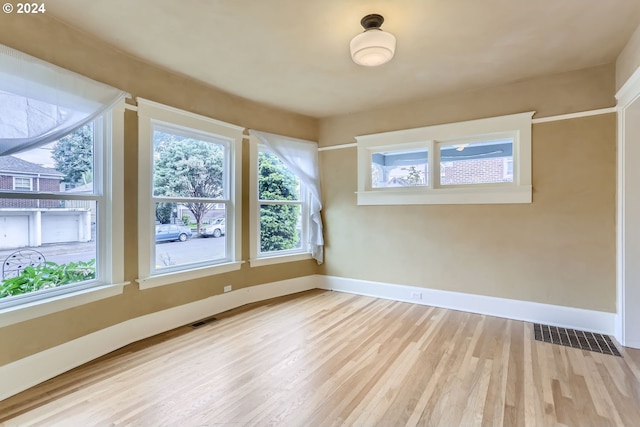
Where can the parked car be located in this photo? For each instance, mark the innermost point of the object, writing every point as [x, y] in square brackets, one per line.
[216, 229]
[171, 232]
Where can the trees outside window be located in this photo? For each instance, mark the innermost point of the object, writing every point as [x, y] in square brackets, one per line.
[280, 205]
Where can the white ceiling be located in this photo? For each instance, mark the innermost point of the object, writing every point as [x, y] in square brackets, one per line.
[294, 54]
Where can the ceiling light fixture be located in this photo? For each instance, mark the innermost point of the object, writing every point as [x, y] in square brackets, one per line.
[373, 47]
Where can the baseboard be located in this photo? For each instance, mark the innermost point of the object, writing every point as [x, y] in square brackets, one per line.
[574, 318]
[32, 370]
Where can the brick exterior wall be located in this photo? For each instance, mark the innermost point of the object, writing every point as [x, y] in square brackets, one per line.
[473, 171]
[44, 184]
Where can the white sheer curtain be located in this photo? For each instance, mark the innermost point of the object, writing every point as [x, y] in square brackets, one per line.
[301, 157]
[40, 102]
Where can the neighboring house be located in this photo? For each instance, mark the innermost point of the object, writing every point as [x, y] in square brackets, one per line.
[34, 222]
[20, 175]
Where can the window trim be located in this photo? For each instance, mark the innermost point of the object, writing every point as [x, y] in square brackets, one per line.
[15, 178]
[110, 244]
[256, 258]
[150, 112]
[517, 126]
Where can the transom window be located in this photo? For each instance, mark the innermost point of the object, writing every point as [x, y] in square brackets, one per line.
[480, 161]
[400, 168]
[477, 162]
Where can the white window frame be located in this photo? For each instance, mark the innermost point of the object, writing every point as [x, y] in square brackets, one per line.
[258, 258]
[149, 114]
[109, 196]
[516, 126]
[15, 186]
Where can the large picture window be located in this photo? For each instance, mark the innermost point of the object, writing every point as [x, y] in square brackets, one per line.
[55, 218]
[189, 205]
[480, 161]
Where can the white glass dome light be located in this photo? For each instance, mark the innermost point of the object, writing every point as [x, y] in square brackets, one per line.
[373, 47]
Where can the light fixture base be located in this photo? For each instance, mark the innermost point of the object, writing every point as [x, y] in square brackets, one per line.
[372, 21]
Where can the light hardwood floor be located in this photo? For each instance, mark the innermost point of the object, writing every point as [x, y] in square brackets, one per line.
[324, 358]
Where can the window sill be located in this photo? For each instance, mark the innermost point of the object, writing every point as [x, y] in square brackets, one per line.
[475, 195]
[259, 262]
[180, 276]
[34, 309]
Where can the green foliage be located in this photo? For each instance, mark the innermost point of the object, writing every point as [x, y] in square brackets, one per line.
[186, 219]
[163, 212]
[73, 155]
[415, 176]
[48, 275]
[278, 223]
[186, 167]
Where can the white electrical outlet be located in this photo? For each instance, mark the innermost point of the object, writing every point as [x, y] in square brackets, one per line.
[416, 295]
[227, 288]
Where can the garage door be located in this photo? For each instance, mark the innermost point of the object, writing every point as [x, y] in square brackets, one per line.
[60, 228]
[14, 231]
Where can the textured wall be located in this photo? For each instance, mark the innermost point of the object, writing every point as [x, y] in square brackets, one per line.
[560, 249]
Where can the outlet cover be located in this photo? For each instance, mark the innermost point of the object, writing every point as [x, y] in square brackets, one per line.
[227, 288]
[416, 295]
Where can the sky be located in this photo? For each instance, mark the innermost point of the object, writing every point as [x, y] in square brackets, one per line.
[40, 156]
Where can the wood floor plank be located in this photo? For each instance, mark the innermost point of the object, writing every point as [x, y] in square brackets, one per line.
[324, 358]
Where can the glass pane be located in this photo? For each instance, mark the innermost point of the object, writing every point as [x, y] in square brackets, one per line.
[485, 162]
[187, 167]
[61, 166]
[178, 241]
[275, 181]
[46, 244]
[280, 227]
[408, 168]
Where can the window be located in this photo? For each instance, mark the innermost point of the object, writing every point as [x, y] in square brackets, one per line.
[467, 162]
[281, 199]
[22, 184]
[400, 168]
[189, 201]
[285, 223]
[61, 181]
[60, 237]
[477, 162]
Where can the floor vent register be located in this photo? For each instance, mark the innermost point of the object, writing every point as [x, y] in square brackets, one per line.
[577, 339]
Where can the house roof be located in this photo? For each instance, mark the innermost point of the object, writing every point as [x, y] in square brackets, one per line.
[15, 165]
[294, 54]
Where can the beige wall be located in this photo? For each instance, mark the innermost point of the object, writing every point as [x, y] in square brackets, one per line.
[50, 40]
[565, 93]
[629, 59]
[559, 250]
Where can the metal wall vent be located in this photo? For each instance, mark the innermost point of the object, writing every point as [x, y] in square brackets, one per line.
[577, 339]
[203, 322]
